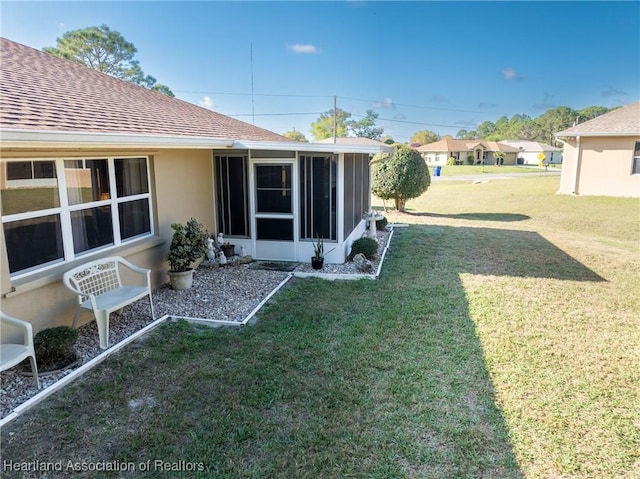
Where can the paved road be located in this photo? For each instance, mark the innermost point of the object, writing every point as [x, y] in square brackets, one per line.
[493, 176]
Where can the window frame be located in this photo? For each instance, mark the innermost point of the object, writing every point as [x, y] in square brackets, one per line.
[223, 196]
[307, 195]
[64, 210]
[635, 159]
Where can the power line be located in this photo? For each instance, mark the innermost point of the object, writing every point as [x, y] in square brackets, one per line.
[393, 120]
[290, 95]
[252, 94]
[411, 106]
[272, 114]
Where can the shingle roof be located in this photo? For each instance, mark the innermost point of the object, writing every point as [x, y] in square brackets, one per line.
[39, 91]
[530, 145]
[450, 144]
[623, 121]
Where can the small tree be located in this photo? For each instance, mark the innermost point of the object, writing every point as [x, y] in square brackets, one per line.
[295, 135]
[400, 176]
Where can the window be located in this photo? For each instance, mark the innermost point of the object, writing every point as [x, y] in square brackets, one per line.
[56, 210]
[231, 193]
[635, 167]
[318, 197]
[356, 189]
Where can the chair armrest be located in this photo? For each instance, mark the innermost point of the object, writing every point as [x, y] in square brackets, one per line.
[25, 326]
[143, 271]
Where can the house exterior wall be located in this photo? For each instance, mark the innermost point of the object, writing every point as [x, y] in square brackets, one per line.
[436, 158]
[531, 157]
[599, 166]
[181, 187]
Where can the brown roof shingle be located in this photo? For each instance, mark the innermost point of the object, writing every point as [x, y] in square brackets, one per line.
[623, 121]
[452, 144]
[39, 91]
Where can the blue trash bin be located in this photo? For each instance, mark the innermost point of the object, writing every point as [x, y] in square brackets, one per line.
[436, 170]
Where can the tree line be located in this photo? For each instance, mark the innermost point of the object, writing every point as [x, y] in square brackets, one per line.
[518, 127]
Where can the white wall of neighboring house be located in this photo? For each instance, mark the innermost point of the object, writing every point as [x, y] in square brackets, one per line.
[531, 157]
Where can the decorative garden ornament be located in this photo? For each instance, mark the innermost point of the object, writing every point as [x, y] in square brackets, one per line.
[211, 254]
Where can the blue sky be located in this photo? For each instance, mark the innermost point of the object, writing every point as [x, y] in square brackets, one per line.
[441, 66]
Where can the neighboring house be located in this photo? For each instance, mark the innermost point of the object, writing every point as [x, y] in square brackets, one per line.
[529, 152]
[477, 152]
[92, 166]
[602, 156]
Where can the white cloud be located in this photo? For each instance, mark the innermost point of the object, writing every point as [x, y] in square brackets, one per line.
[386, 103]
[208, 102]
[511, 74]
[303, 49]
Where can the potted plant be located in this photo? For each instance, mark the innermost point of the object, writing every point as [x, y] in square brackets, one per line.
[189, 243]
[317, 260]
[228, 249]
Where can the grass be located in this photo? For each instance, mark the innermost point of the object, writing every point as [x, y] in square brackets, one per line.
[499, 342]
[458, 170]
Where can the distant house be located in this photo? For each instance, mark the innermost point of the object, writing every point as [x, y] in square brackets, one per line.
[602, 155]
[529, 152]
[475, 152]
[92, 166]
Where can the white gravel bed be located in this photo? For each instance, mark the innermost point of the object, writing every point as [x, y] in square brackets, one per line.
[228, 293]
[382, 237]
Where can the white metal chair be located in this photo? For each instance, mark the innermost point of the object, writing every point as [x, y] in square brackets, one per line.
[99, 289]
[13, 354]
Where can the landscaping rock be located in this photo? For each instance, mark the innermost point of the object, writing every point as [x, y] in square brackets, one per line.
[362, 263]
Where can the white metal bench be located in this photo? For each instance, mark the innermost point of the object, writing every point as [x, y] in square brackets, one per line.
[100, 289]
[13, 354]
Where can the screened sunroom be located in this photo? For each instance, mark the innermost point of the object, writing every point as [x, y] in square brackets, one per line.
[276, 203]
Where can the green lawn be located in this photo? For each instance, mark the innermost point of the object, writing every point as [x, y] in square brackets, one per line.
[458, 170]
[501, 341]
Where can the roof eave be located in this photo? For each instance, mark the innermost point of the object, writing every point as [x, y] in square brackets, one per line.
[19, 138]
[310, 147]
[573, 134]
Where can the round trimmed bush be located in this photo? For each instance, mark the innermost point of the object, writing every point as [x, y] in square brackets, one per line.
[365, 245]
[54, 347]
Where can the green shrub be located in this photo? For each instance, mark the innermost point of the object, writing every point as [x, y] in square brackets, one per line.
[400, 176]
[365, 245]
[189, 243]
[382, 224]
[55, 347]
[470, 159]
[451, 161]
